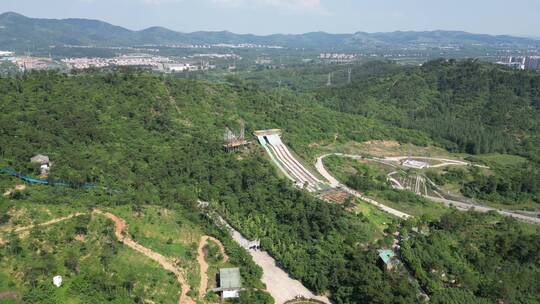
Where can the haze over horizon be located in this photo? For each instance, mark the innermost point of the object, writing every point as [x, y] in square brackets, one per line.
[264, 17]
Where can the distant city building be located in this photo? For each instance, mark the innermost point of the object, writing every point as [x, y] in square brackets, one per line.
[4, 54]
[137, 60]
[27, 63]
[177, 67]
[263, 61]
[532, 63]
[521, 62]
[338, 57]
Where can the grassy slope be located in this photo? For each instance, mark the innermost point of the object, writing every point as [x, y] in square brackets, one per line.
[97, 254]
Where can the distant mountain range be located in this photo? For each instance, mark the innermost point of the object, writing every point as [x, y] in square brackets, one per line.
[18, 32]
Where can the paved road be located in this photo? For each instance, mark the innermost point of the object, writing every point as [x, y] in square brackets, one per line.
[459, 205]
[479, 208]
[335, 184]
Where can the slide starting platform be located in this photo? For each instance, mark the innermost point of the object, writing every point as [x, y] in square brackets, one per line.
[285, 160]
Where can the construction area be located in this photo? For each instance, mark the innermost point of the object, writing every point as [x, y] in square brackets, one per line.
[234, 142]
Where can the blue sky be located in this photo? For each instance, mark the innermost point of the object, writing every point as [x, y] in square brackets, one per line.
[517, 17]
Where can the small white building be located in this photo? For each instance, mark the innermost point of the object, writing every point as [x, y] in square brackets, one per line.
[415, 164]
[45, 163]
[177, 67]
[229, 283]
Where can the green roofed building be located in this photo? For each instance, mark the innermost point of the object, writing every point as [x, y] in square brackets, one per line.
[229, 282]
[388, 258]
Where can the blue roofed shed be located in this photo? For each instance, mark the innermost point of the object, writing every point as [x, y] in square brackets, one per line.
[388, 258]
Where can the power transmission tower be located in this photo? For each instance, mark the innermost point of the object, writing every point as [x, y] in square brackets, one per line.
[329, 82]
[349, 71]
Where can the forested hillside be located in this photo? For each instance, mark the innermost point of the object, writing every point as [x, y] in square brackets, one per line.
[465, 106]
[147, 139]
[151, 140]
[473, 258]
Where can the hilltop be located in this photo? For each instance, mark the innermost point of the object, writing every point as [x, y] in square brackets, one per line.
[153, 146]
[18, 32]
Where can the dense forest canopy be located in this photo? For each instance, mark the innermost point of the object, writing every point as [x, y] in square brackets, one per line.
[155, 139]
[467, 106]
[466, 257]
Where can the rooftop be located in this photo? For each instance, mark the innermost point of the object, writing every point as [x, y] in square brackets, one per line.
[41, 159]
[387, 256]
[229, 278]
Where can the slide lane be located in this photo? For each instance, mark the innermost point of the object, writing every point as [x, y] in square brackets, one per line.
[297, 176]
[287, 158]
[306, 172]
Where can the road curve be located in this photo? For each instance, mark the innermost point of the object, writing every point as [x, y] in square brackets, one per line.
[334, 183]
[459, 205]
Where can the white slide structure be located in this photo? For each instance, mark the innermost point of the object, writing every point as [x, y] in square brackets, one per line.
[287, 163]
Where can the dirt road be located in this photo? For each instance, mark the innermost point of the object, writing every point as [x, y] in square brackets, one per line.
[51, 222]
[203, 265]
[121, 234]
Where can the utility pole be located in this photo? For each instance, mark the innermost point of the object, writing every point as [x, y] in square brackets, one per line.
[329, 82]
[279, 90]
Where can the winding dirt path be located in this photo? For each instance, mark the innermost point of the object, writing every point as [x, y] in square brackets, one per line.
[51, 222]
[121, 234]
[203, 265]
